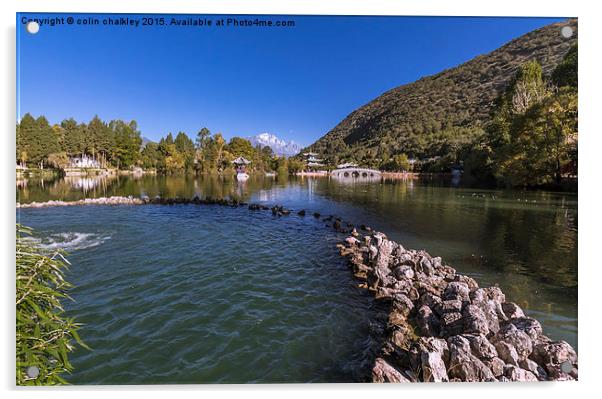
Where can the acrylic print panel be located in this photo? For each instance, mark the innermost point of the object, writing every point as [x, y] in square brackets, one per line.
[282, 199]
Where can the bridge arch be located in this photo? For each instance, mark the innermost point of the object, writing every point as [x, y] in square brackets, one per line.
[356, 174]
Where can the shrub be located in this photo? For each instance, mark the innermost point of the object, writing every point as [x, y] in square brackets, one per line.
[44, 334]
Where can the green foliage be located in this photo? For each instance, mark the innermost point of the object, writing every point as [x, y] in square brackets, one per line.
[445, 114]
[127, 141]
[398, 163]
[565, 73]
[44, 335]
[114, 144]
[532, 137]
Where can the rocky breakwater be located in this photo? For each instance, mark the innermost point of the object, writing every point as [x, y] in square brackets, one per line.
[443, 327]
[115, 200]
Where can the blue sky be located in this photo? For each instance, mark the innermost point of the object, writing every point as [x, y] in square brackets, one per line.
[296, 82]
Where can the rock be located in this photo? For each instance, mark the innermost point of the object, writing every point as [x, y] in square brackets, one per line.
[496, 365]
[481, 347]
[301, 212]
[514, 373]
[384, 293]
[402, 304]
[463, 365]
[451, 324]
[507, 353]
[385, 372]
[431, 300]
[457, 290]
[554, 356]
[352, 241]
[537, 370]
[475, 321]
[512, 310]
[529, 325]
[433, 367]
[516, 338]
[427, 322]
[442, 326]
[403, 272]
[449, 306]
[469, 281]
[425, 266]
[495, 294]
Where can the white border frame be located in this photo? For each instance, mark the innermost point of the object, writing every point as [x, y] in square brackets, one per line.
[590, 144]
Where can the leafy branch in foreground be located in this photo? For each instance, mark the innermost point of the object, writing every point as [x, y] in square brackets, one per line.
[44, 334]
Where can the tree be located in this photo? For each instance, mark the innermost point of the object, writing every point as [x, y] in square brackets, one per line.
[533, 131]
[58, 160]
[127, 142]
[186, 147]
[100, 141]
[565, 73]
[151, 156]
[240, 147]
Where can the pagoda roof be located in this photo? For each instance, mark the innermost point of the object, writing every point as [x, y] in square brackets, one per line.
[241, 161]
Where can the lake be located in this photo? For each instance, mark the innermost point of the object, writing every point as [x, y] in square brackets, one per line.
[193, 294]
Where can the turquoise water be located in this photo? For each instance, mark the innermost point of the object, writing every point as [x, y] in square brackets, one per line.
[191, 294]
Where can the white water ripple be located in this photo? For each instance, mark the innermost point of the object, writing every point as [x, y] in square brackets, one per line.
[70, 241]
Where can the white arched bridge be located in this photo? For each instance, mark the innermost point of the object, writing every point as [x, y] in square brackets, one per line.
[356, 173]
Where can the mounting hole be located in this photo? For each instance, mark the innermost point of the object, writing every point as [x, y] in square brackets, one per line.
[32, 372]
[566, 32]
[566, 367]
[32, 27]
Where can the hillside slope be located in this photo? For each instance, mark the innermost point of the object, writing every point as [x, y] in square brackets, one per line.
[416, 118]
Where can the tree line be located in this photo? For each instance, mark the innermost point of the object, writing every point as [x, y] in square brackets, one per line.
[531, 139]
[118, 144]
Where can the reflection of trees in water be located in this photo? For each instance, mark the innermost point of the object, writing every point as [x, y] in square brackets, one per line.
[539, 243]
[531, 234]
[75, 187]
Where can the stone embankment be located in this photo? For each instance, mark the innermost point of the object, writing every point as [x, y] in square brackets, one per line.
[443, 327]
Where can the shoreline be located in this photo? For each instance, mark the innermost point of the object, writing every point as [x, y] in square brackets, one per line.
[441, 326]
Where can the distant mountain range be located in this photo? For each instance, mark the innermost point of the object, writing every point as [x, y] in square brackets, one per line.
[411, 118]
[278, 145]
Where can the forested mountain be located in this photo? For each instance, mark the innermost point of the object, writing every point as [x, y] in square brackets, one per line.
[437, 115]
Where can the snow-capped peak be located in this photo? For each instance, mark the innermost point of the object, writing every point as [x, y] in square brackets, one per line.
[278, 145]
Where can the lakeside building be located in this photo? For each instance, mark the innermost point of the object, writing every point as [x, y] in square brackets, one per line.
[347, 165]
[84, 162]
[312, 161]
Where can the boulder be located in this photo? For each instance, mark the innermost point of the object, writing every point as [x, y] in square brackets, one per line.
[537, 370]
[463, 365]
[516, 338]
[449, 306]
[475, 321]
[433, 367]
[457, 290]
[512, 310]
[451, 324]
[403, 272]
[427, 322]
[529, 325]
[507, 353]
[481, 347]
[496, 365]
[385, 372]
[514, 373]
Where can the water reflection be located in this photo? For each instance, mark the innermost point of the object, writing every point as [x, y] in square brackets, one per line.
[524, 241]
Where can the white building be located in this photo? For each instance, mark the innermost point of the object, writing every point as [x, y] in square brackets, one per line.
[83, 161]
